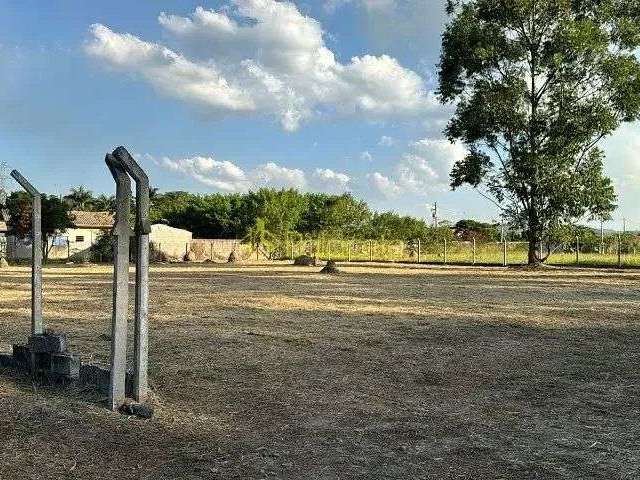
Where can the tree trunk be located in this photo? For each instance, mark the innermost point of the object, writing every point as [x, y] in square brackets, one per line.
[532, 258]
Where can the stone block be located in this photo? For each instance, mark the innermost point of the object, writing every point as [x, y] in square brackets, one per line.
[42, 361]
[8, 361]
[22, 355]
[48, 343]
[100, 378]
[95, 376]
[65, 364]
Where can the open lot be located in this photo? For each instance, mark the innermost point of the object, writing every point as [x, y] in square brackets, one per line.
[381, 372]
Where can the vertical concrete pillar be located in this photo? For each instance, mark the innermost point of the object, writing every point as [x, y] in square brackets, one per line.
[142, 231]
[37, 327]
[122, 232]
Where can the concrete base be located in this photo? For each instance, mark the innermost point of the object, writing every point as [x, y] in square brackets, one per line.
[45, 357]
[100, 378]
[48, 343]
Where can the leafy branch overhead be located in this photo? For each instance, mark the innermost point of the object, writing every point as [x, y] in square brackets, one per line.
[537, 85]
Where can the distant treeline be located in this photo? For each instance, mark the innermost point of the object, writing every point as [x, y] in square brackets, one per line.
[285, 213]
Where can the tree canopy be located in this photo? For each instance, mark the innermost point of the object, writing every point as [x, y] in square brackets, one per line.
[537, 84]
[55, 217]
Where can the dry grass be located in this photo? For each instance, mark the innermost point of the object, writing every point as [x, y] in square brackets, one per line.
[280, 372]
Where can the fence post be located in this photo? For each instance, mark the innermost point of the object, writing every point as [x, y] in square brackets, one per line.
[419, 251]
[474, 250]
[504, 252]
[36, 253]
[349, 248]
[577, 250]
[211, 251]
[445, 251]
[619, 252]
[540, 250]
[371, 250]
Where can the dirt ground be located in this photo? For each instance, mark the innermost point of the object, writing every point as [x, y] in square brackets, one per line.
[379, 373]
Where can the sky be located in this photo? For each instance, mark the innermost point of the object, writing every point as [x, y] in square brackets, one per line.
[232, 95]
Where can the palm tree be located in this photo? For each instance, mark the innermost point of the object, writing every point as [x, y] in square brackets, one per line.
[79, 198]
[257, 236]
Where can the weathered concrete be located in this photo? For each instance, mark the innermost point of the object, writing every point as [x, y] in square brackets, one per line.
[142, 231]
[66, 365]
[48, 343]
[122, 233]
[7, 360]
[100, 378]
[36, 245]
[22, 354]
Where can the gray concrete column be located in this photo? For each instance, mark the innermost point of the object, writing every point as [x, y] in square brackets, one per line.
[37, 327]
[122, 233]
[142, 231]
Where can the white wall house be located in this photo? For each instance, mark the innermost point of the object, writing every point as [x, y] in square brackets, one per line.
[87, 228]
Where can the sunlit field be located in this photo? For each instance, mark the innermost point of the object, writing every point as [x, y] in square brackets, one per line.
[273, 371]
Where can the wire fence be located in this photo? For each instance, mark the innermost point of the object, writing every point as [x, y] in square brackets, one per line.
[616, 254]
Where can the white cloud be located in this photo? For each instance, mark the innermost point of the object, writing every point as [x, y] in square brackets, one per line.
[273, 175]
[423, 170]
[435, 158]
[366, 156]
[329, 181]
[228, 177]
[266, 57]
[384, 185]
[386, 141]
[168, 72]
[371, 5]
[221, 175]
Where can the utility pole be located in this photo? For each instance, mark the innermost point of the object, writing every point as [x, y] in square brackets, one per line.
[434, 214]
[4, 213]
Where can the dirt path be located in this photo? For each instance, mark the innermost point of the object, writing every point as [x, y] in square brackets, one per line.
[280, 372]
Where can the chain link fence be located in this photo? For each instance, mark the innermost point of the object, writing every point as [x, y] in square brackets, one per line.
[615, 253]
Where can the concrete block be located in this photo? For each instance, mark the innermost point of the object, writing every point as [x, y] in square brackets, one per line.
[66, 365]
[48, 343]
[95, 376]
[22, 355]
[100, 378]
[42, 361]
[8, 361]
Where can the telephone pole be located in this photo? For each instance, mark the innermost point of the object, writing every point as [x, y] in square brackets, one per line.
[434, 214]
[4, 213]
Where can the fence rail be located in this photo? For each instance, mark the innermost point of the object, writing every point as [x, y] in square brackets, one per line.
[462, 252]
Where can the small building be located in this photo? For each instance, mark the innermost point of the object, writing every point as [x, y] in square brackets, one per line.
[87, 228]
[173, 243]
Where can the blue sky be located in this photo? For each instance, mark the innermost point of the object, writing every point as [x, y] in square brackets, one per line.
[326, 95]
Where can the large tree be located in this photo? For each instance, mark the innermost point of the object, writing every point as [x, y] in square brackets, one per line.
[537, 84]
[55, 217]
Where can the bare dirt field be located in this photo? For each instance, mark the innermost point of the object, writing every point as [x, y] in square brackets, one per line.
[378, 373]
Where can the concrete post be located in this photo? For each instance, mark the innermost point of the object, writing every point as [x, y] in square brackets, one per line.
[419, 251]
[445, 251]
[122, 232]
[142, 231]
[577, 250]
[504, 252]
[474, 251]
[37, 327]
